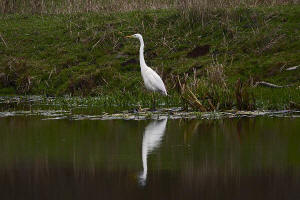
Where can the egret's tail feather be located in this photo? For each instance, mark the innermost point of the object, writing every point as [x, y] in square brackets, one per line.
[164, 93]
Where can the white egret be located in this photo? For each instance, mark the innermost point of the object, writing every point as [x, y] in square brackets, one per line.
[152, 80]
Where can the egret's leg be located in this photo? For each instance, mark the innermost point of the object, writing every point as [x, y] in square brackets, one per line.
[153, 101]
[167, 101]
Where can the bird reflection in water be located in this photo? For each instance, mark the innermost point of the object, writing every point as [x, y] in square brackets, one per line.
[151, 140]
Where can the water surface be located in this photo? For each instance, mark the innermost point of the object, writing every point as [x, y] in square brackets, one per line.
[245, 158]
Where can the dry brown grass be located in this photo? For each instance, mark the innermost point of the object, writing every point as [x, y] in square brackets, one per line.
[211, 92]
[200, 10]
[216, 75]
[79, 6]
[208, 92]
[187, 7]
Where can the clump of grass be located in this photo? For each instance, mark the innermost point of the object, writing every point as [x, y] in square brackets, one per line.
[207, 93]
[211, 92]
[16, 74]
[245, 99]
[216, 90]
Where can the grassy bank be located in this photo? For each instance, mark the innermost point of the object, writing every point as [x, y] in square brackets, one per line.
[87, 54]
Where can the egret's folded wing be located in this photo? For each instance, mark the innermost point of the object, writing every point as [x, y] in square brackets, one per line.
[155, 80]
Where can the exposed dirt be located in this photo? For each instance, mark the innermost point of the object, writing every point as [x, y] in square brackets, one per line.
[129, 62]
[199, 51]
[274, 69]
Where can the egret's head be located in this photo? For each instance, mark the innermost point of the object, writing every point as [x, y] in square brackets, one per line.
[137, 35]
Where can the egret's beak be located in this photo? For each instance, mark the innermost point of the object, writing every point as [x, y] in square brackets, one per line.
[129, 36]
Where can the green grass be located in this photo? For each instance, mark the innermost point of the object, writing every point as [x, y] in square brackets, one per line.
[87, 54]
[276, 99]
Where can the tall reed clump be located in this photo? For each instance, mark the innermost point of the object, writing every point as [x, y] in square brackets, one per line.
[211, 91]
[208, 92]
[245, 99]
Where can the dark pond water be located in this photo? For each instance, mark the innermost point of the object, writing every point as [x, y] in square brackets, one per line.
[245, 158]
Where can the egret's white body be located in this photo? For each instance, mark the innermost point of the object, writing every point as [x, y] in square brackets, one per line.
[151, 79]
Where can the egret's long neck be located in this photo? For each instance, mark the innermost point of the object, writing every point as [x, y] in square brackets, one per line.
[142, 60]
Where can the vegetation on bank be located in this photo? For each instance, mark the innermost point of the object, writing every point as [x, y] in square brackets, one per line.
[212, 57]
[106, 6]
